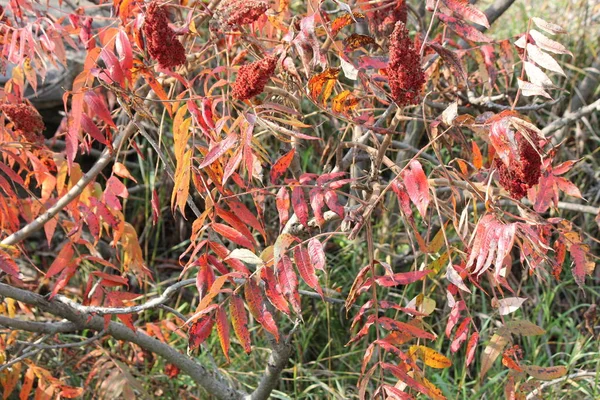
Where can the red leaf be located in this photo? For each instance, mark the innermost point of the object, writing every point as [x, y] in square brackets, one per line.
[317, 202]
[63, 279]
[114, 188]
[281, 165]
[493, 243]
[306, 269]
[402, 278]
[217, 151]
[299, 205]
[247, 216]
[332, 201]
[273, 290]
[417, 187]
[316, 253]
[467, 11]
[258, 309]
[98, 107]
[289, 282]
[394, 325]
[282, 203]
[72, 138]
[199, 331]
[205, 278]
[461, 335]
[233, 235]
[223, 331]
[239, 321]
[62, 260]
[454, 316]
[471, 346]
[9, 266]
[171, 370]
[464, 30]
[235, 222]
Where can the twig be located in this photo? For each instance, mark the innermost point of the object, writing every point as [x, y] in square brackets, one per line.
[571, 117]
[156, 302]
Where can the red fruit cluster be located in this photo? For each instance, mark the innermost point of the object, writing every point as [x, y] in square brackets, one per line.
[383, 16]
[161, 40]
[26, 120]
[523, 173]
[241, 12]
[252, 78]
[404, 72]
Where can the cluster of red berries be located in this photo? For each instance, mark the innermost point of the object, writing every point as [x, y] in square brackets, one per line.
[26, 120]
[252, 78]
[404, 71]
[383, 16]
[523, 173]
[241, 12]
[161, 40]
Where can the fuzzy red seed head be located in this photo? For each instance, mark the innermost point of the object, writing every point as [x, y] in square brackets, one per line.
[241, 12]
[161, 40]
[383, 16]
[252, 78]
[26, 121]
[405, 75]
[523, 173]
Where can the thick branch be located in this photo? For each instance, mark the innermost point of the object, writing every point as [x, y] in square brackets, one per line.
[120, 332]
[50, 328]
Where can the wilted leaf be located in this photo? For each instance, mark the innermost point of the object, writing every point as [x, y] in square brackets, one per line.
[467, 11]
[544, 60]
[417, 186]
[323, 84]
[510, 304]
[491, 353]
[548, 26]
[530, 89]
[545, 373]
[522, 327]
[246, 256]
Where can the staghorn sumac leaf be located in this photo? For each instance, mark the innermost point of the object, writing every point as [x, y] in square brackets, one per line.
[322, 84]
[547, 44]
[401, 372]
[97, 104]
[281, 165]
[282, 244]
[218, 150]
[64, 258]
[536, 76]
[235, 223]
[223, 331]
[8, 265]
[463, 29]
[582, 267]
[273, 290]
[316, 254]
[344, 102]
[394, 393]
[545, 373]
[401, 278]
[544, 60]
[430, 357]
[317, 202]
[343, 21]
[356, 40]
[454, 316]
[257, 307]
[464, 9]
[282, 202]
[239, 320]
[394, 325]
[417, 186]
[461, 335]
[492, 243]
[114, 188]
[531, 89]
[510, 304]
[471, 347]
[299, 205]
[491, 353]
[204, 279]
[200, 331]
[232, 235]
[306, 268]
[288, 280]
[548, 26]
[332, 201]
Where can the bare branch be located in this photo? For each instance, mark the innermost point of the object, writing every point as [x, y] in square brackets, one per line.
[50, 328]
[571, 117]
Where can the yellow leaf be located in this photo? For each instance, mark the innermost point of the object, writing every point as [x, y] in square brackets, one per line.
[438, 240]
[181, 188]
[430, 357]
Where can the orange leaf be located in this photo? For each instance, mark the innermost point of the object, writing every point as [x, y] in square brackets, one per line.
[239, 320]
[281, 165]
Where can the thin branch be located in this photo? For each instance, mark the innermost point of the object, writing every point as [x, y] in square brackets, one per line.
[119, 331]
[156, 302]
[572, 117]
[577, 375]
